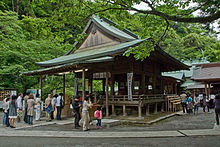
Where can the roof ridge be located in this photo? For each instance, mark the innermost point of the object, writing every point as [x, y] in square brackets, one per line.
[112, 24]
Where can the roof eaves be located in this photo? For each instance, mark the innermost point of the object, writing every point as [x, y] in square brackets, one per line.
[158, 48]
[103, 59]
[91, 54]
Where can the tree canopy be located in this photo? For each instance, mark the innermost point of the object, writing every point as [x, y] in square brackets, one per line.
[39, 30]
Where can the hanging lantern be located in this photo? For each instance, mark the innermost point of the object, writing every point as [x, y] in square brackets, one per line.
[110, 82]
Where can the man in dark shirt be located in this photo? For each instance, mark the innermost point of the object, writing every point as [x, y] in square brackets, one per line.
[76, 108]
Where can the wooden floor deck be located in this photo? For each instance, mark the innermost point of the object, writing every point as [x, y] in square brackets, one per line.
[139, 101]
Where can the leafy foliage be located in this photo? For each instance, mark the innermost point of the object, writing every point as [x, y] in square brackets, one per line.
[45, 29]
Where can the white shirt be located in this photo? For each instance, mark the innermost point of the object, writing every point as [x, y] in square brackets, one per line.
[58, 101]
[212, 96]
[19, 102]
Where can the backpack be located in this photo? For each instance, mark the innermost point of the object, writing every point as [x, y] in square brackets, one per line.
[61, 102]
[95, 114]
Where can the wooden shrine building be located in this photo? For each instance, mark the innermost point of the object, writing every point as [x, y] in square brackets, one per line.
[209, 75]
[100, 56]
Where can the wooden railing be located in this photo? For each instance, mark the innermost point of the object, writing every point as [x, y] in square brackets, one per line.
[173, 102]
[134, 97]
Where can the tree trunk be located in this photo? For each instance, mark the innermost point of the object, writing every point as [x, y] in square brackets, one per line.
[12, 5]
[17, 6]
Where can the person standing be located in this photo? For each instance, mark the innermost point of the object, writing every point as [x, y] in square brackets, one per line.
[48, 107]
[183, 103]
[5, 108]
[59, 105]
[208, 104]
[204, 102]
[12, 111]
[98, 116]
[76, 108]
[30, 109]
[196, 103]
[19, 107]
[25, 107]
[217, 108]
[53, 102]
[190, 105]
[38, 107]
[85, 113]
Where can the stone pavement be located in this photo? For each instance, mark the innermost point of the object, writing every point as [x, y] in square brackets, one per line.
[19, 131]
[87, 134]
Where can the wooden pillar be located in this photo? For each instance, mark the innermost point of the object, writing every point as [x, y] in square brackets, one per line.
[112, 85]
[103, 86]
[147, 110]
[106, 82]
[209, 90]
[139, 111]
[90, 84]
[155, 108]
[83, 84]
[154, 79]
[162, 107]
[143, 83]
[113, 110]
[176, 88]
[40, 85]
[64, 86]
[206, 91]
[124, 110]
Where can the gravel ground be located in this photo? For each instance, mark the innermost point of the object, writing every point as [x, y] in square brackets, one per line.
[183, 122]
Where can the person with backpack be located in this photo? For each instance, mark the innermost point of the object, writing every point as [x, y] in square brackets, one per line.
[76, 107]
[98, 116]
[190, 105]
[186, 101]
[59, 105]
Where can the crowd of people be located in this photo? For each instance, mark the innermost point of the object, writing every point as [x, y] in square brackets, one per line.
[24, 107]
[190, 104]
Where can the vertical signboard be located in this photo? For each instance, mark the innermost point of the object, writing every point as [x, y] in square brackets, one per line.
[129, 80]
[75, 86]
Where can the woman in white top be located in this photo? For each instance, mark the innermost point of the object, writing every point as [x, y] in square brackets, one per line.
[85, 113]
[38, 107]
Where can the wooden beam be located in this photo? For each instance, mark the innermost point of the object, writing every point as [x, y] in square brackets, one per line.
[106, 82]
[83, 84]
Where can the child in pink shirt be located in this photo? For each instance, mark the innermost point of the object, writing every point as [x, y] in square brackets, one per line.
[98, 116]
